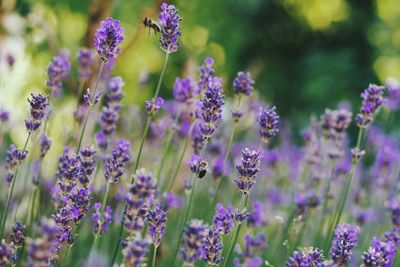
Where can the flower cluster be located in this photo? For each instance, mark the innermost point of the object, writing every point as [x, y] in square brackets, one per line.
[6, 252]
[193, 238]
[248, 169]
[135, 250]
[345, 239]
[85, 59]
[153, 106]
[114, 166]
[57, 71]
[107, 39]
[226, 218]
[101, 221]
[372, 101]
[184, 90]
[88, 165]
[14, 157]
[268, 121]
[307, 257]
[206, 72]
[379, 254]
[39, 105]
[156, 218]
[243, 84]
[249, 257]
[170, 28]
[211, 249]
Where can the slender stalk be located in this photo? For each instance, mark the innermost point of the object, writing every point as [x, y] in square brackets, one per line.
[104, 202]
[153, 262]
[146, 129]
[189, 206]
[10, 193]
[233, 241]
[94, 245]
[89, 108]
[178, 166]
[35, 193]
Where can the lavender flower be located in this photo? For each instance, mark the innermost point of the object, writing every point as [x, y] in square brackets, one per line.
[372, 101]
[85, 60]
[115, 93]
[101, 221]
[10, 59]
[156, 218]
[135, 250]
[152, 106]
[17, 235]
[4, 115]
[42, 251]
[57, 71]
[45, 143]
[79, 203]
[114, 166]
[107, 39]
[257, 215]
[108, 120]
[211, 107]
[307, 257]
[268, 121]
[184, 90]
[69, 172]
[88, 164]
[305, 201]
[379, 254]
[248, 169]
[14, 157]
[223, 218]
[193, 238]
[211, 249]
[206, 72]
[250, 258]
[6, 252]
[39, 105]
[394, 208]
[393, 99]
[346, 237]
[335, 122]
[243, 84]
[170, 29]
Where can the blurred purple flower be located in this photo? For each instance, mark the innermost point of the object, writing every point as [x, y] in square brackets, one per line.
[345, 239]
[243, 84]
[57, 71]
[250, 166]
[372, 101]
[101, 221]
[85, 59]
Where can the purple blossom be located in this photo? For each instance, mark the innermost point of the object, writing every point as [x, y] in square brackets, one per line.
[393, 236]
[114, 166]
[243, 84]
[10, 59]
[393, 99]
[88, 164]
[394, 208]
[156, 218]
[79, 202]
[4, 115]
[152, 106]
[44, 143]
[223, 218]
[14, 157]
[193, 238]
[194, 163]
[379, 254]
[38, 109]
[184, 89]
[170, 28]
[305, 201]
[115, 94]
[206, 72]
[89, 100]
[197, 139]
[346, 237]
[69, 172]
[172, 201]
[85, 59]
[268, 120]
[335, 122]
[101, 221]
[57, 71]
[211, 107]
[372, 101]
[211, 249]
[17, 235]
[257, 216]
[135, 250]
[108, 120]
[248, 169]
[6, 252]
[249, 257]
[107, 39]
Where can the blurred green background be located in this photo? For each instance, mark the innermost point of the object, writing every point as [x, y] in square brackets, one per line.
[305, 55]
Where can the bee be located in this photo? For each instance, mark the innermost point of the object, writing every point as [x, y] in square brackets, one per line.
[148, 22]
[202, 169]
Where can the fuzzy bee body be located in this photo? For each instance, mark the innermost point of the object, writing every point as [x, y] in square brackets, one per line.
[202, 169]
[151, 24]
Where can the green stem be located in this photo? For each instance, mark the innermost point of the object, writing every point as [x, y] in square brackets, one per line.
[149, 118]
[89, 108]
[35, 192]
[93, 248]
[104, 202]
[189, 206]
[233, 241]
[153, 262]
[178, 166]
[10, 193]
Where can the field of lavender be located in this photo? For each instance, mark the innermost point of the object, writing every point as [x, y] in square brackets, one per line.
[200, 179]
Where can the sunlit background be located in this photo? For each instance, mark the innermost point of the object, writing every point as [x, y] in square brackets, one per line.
[305, 55]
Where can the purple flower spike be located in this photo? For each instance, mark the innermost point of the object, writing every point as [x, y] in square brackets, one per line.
[346, 238]
[257, 216]
[372, 101]
[157, 218]
[45, 143]
[250, 258]
[394, 208]
[393, 99]
[57, 71]
[335, 122]
[69, 172]
[243, 84]
[152, 106]
[206, 72]
[193, 239]
[211, 250]
[248, 170]
[107, 39]
[170, 28]
[268, 121]
[306, 258]
[38, 108]
[223, 219]
[211, 107]
[6, 252]
[114, 166]
[115, 93]
[379, 254]
[88, 164]
[85, 60]
[4, 115]
[184, 90]
[14, 157]
[17, 235]
[135, 250]
[101, 221]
